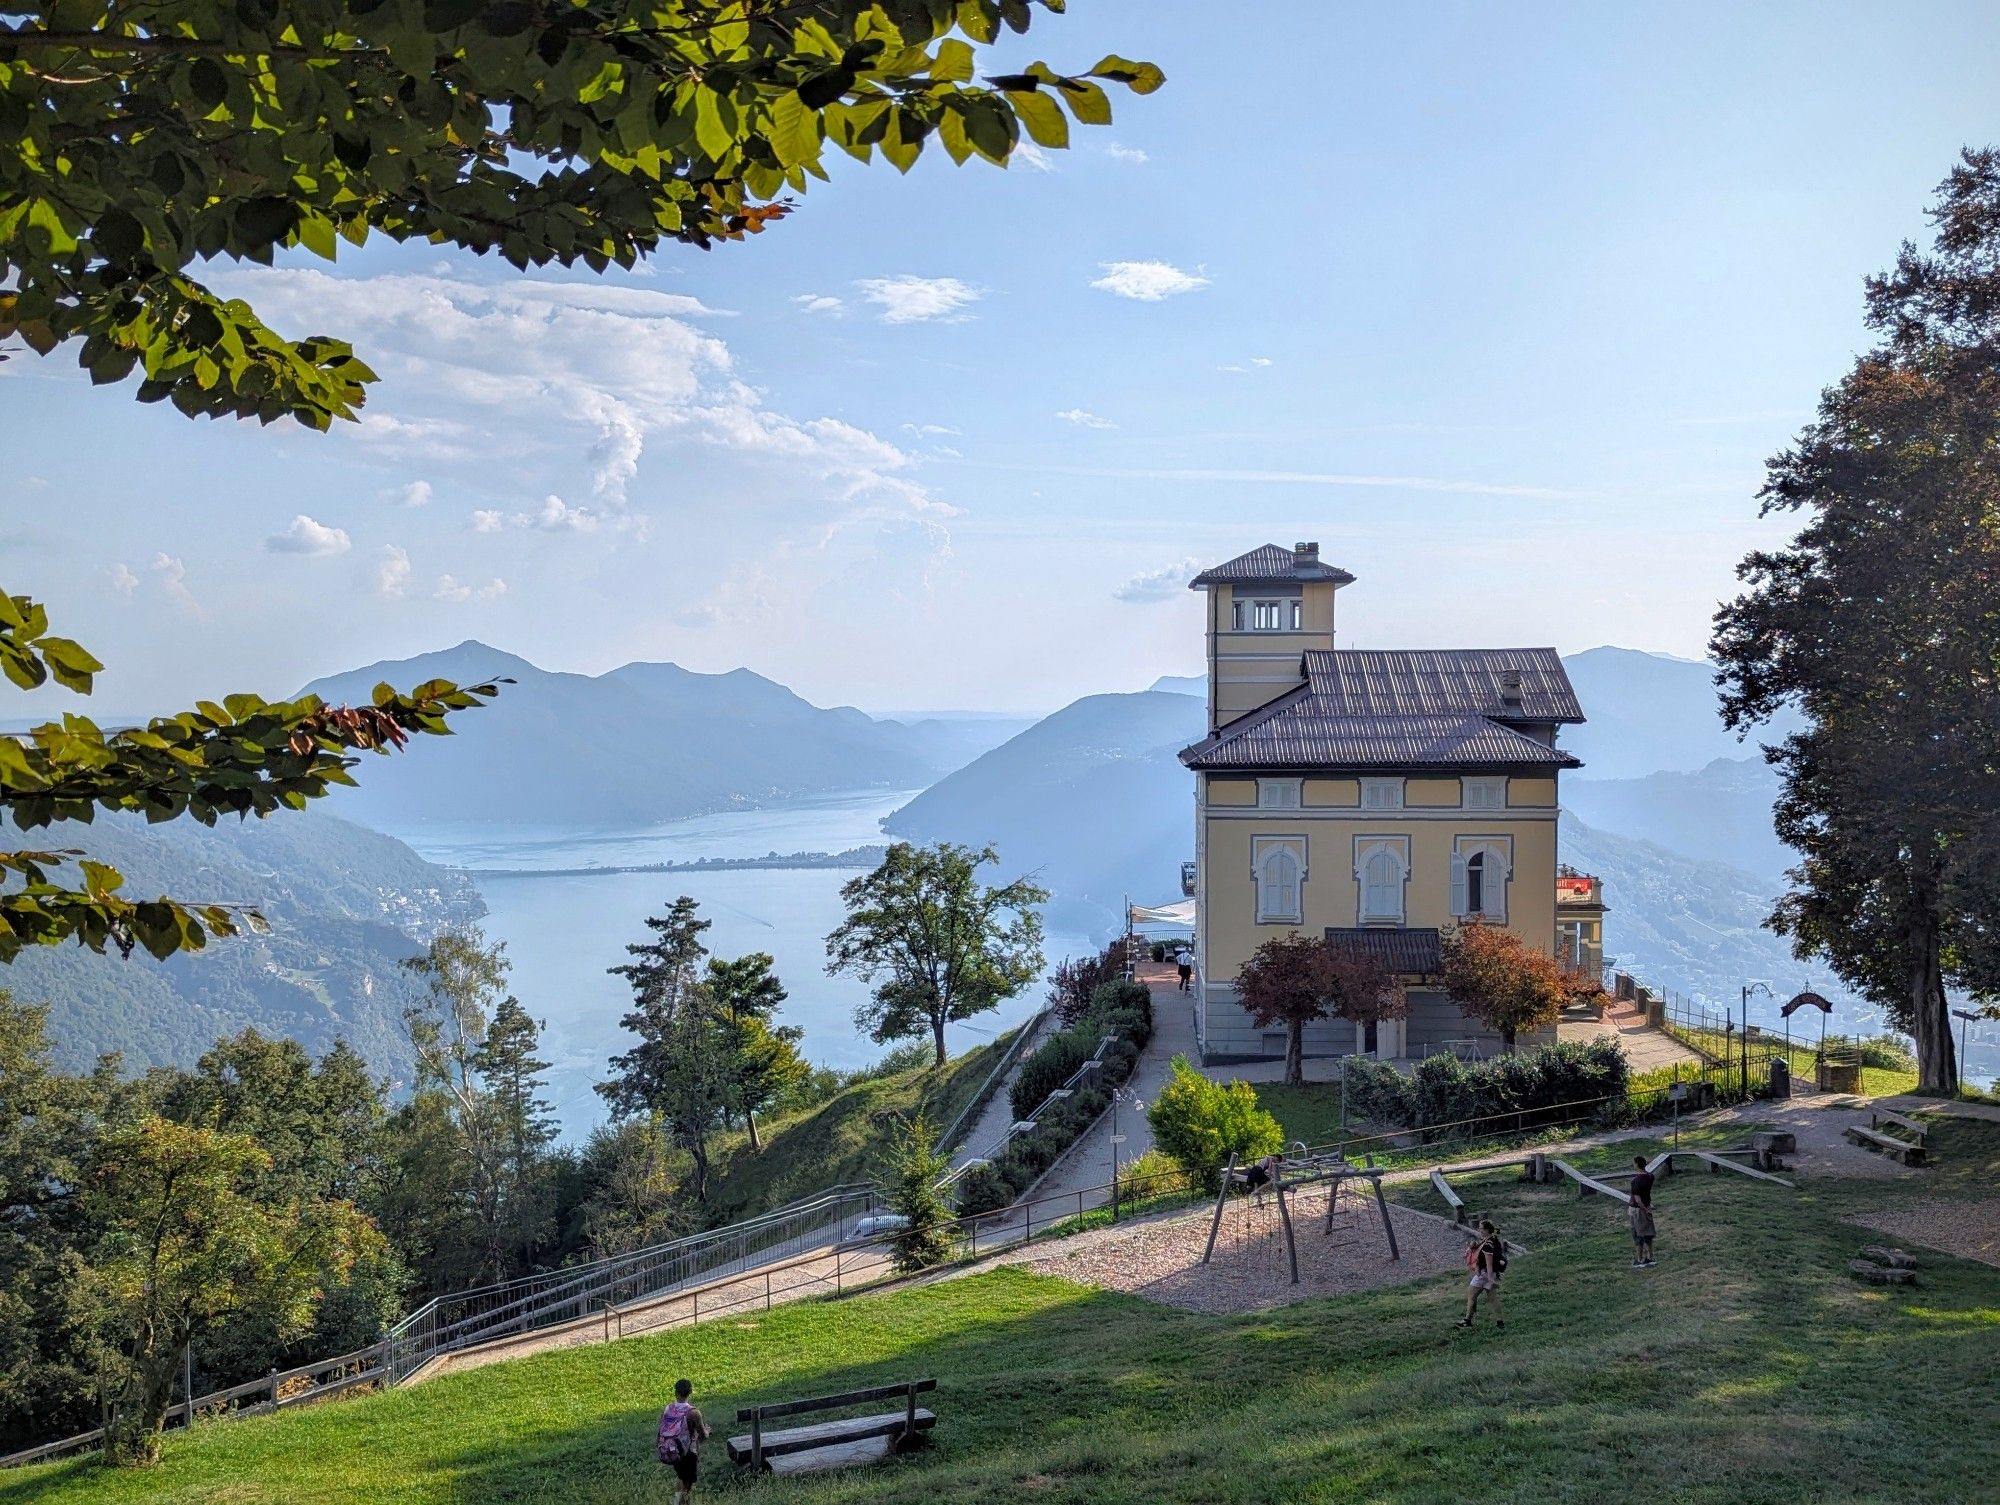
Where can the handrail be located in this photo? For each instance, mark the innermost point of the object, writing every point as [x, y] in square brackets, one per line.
[1028, 1030]
[1068, 1085]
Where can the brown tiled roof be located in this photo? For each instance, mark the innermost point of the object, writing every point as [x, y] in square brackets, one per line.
[1297, 731]
[1413, 953]
[1442, 682]
[1271, 562]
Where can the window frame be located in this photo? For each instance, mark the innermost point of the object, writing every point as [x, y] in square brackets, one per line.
[1494, 787]
[1496, 877]
[1397, 849]
[1264, 850]
[1373, 786]
[1294, 788]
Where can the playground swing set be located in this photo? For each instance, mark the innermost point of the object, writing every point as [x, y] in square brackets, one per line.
[1286, 1180]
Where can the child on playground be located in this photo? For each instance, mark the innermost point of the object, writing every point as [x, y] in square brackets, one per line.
[1487, 1260]
[682, 1431]
[1639, 1213]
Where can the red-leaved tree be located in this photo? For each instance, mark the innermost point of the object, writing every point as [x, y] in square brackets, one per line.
[1294, 979]
[1499, 979]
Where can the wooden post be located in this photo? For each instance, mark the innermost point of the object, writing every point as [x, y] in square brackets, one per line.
[1332, 1201]
[910, 1414]
[1285, 1217]
[757, 1440]
[187, 1386]
[1215, 1224]
[1382, 1204]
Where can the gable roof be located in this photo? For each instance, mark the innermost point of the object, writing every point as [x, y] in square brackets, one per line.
[1413, 953]
[1442, 682]
[1298, 731]
[1271, 562]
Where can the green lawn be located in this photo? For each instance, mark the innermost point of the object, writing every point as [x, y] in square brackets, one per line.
[843, 1139]
[1748, 1369]
[1310, 1111]
[1876, 1081]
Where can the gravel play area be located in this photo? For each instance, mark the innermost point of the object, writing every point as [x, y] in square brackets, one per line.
[1971, 1230]
[1161, 1260]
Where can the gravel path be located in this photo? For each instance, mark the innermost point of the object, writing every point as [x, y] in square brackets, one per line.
[1971, 1230]
[1161, 1260]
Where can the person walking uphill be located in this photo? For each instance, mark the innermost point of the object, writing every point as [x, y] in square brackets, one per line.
[1184, 964]
[1487, 1260]
[682, 1431]
[1639, 1213]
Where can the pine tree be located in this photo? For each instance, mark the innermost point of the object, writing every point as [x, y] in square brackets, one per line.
[511, 1074]
[765, 1059]
[679, 1072]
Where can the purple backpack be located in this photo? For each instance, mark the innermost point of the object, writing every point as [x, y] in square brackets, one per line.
[676, 1437]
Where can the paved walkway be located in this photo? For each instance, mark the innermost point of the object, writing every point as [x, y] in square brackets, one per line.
[998, 1113]
[1088, 1161]
[1646, 1048]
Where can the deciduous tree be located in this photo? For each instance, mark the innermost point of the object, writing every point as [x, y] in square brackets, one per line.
[1501, 980]
[136, 143]
[188, 1242]
[765, 1062]
[1292, 980]
[1880, 622]
[936, 943]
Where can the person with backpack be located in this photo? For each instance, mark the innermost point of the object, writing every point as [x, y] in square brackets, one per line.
[1487, 1260]
[682, 1432]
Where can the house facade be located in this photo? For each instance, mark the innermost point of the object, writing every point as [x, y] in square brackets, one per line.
[1376, 797]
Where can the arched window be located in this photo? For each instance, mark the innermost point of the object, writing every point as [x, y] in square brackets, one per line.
[1479, 883]
[1475, 883]
[1278, 897]
[1381, 886]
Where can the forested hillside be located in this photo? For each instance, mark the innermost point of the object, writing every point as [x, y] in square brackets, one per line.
[345, 906]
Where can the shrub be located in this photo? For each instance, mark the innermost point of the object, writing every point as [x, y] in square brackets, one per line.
[1887, 1053]
[1444, 1090]
[1050, 1065]
[1377, 1091]
[1159, 951]
[1074, 981]
[982, 1189]
[915, 1167]
[1199, 1123]
[1156, 1174]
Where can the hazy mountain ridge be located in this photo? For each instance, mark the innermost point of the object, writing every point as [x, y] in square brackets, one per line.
[1721, 813]
[641, 743]
[345, 906]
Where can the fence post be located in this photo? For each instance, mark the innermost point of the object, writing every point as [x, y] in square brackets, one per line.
[767, 1290]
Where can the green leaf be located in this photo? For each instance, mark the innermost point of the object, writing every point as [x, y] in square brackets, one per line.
[118, 237]
[1140, 78]
[953, 62]
[1086, 101]
[1043, 117]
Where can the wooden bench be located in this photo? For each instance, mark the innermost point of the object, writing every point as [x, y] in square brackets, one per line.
[1888, 1144]
[1880, 1116]
[902, 1430]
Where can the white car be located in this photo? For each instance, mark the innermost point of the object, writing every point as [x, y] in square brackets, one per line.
[877, 1225]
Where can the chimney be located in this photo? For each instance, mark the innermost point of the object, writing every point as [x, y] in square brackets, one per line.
[1510, 688]
[1304, 554]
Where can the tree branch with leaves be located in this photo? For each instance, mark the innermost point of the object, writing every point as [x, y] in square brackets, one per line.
[138, 142]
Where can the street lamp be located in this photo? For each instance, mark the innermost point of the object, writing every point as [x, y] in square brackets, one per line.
[1744, 1050]
[1118, 1095]
[1964, 1017]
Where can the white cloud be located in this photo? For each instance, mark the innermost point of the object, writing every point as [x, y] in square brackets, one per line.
[1164, 584]
[1255, 363]
[173, 579]
[123, 580]
[909, 300]
[416, 494]
[310, 537]
[1084, 418]
[486, 520]
[819, 303]
[929, 430]
[392, 571]
[449, 588]
[1031, 155]
[1147, 281]
[1125, 153]
[556, 515]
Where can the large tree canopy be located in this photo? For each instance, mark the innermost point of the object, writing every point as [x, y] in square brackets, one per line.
[1880, 621]
[139, 140]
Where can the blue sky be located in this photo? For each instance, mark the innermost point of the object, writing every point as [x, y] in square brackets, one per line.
[1505, 306]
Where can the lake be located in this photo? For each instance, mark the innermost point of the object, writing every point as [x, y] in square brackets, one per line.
[562, 933]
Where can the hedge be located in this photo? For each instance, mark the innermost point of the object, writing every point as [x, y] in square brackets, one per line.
[1123, 1010]
[1444, 1090]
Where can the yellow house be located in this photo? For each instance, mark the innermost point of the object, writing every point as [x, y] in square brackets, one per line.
[1374, 796]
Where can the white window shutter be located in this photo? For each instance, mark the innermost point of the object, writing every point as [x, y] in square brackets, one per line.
[1460, 904]
[1497, 875]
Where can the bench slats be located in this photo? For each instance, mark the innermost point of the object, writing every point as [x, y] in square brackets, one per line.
[834, 1402]
[1902, 1149]
[1880, 1116]
[827, 1433]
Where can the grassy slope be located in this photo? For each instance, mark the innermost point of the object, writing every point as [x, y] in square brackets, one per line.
[1309, 1111]
[843, 1139]
[1746, 1370]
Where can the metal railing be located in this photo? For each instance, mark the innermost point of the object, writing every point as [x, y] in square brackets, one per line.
[1023, 1037]
[465, 1319]
[1089, 1074]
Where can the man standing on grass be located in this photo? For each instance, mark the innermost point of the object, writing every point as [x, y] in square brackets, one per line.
[1639, 1212]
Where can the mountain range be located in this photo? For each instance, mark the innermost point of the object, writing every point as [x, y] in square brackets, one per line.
[345, 907]
[643, 743]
